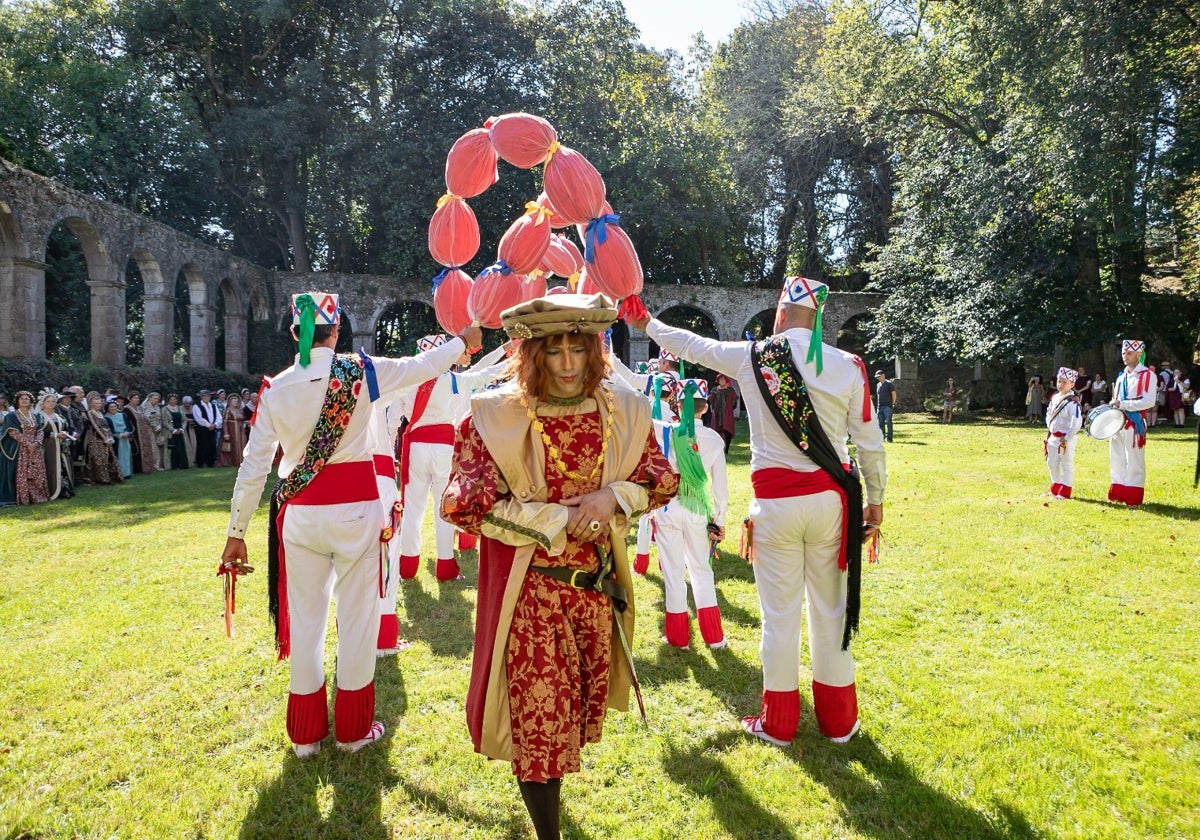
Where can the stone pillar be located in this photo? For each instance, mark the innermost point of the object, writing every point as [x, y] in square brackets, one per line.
[235, 342]
[159, 330]
[108, 322]
[22, 309]
[203, 345]
[910, 391]
[977, 371]
[366, 342]
[639, 349]
[906, 367]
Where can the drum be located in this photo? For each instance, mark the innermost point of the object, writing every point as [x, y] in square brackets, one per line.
[1103, 422]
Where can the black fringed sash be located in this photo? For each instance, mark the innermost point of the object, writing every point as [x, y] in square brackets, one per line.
[793, 410]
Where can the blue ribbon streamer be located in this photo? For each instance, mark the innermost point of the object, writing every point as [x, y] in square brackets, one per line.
[369, 374]
[597, 234]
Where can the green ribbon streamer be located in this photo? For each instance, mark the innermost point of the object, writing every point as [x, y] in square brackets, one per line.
[814, 348]
[656, 409]
[693, 480]
[308, 325]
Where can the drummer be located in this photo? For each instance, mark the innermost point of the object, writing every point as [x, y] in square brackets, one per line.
[1063, 420]
[1133, 393]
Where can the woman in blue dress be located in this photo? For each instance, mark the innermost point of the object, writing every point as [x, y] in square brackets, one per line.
[122, 432]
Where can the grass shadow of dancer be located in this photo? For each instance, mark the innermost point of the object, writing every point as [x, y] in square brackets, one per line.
[880, 795]
[446, 622]
[289, 806]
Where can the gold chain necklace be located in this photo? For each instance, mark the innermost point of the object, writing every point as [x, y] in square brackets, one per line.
[555, 456]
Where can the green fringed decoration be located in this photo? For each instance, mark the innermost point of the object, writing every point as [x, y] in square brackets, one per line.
[656, 409]
[1142, 358]
[308, 325]
[693, 480]
[814, 348]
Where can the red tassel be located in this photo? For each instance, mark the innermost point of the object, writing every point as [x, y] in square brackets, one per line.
[632, 309]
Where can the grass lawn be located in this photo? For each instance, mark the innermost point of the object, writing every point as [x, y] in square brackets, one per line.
[1026, 669]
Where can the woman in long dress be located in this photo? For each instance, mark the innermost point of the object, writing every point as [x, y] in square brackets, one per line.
[56, 449]
[154, 414]
[24, 427]
[189, 430]
[142, 440]
[122, 432]
[233, 434]
[175, 424]
[550, 469]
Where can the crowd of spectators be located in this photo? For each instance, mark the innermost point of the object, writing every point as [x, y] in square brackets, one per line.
[55, 441]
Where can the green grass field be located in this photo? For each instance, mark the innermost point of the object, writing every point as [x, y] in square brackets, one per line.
[1026, 669]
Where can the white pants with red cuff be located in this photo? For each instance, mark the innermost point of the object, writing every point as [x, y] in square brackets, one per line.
[683, 547]
[1061, 464]
[332, 550]
[428, 473]
[641, 561]
[389, 624]
[1127, 467]
[797, 541]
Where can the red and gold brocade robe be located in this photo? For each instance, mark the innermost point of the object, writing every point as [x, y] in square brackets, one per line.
[501, 475]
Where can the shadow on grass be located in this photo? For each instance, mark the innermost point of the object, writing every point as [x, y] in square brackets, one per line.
[880, 795]
[447, 621]
[1154, 508]
[290, 806]
[515, 827]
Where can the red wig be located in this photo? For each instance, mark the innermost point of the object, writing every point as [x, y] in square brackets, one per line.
[530, 368]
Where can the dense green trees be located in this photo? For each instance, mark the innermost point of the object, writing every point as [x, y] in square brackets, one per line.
[1009, 171]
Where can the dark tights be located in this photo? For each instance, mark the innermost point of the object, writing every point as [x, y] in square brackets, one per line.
[542, 802]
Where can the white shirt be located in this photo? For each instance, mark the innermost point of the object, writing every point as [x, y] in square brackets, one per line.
[644, 384]
[446, 406]
[289, 409]
[837, 398]
[1125, 389]
[712, 455]
[1066, 422]
[207, 416]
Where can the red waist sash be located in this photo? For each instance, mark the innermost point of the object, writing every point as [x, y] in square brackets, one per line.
[385, 465]
[433, 433]
[335, 484]
[781, 483]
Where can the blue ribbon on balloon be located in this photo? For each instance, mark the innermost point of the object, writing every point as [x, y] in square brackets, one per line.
[441, 275]
[498, 267]
[597, 234]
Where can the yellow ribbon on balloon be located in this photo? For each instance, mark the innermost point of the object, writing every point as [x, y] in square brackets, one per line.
[448, 197]
[554, 147]
[532, 208]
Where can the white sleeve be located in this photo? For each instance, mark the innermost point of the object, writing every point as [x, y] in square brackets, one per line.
[722, 356]
[475, 378]
[636, 381]
[393, 375]
[1146, 400]
[488, 360]
[713, 456]
[252, 474]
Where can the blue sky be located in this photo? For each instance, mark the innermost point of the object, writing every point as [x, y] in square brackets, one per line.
[671, 23]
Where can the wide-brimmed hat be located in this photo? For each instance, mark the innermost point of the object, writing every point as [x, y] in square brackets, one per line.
[559, 314]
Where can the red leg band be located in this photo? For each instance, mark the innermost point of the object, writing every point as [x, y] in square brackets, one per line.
[781, 713]
[409, 563]
[1134, 495]
[1064, 491]
[1116, 492]
[677, 629]
[389, 631]
[641, 563]
[353, 712]
[447, 569]
[466, 542]
[836, 708]
[307, 717]
[709, 619]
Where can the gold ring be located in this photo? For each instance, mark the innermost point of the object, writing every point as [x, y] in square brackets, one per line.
[595, 526]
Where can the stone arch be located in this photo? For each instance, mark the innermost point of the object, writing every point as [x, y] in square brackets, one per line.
[105, 333]
[761, 325]
[689, 306]
[156, 308]
[194, 316]
[230, 326]
[398, 325]
[22, 284]
[260, 309]
[853, 338]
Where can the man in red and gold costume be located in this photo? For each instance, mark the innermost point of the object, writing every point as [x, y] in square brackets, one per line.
[551, 469]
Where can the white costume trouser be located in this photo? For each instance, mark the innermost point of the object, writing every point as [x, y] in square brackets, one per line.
[645, 530]
[796, 545]
[1061, 464]
[428, 472]
[332, 550]
[1126, 460]
[683, 545]
[388, 495]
